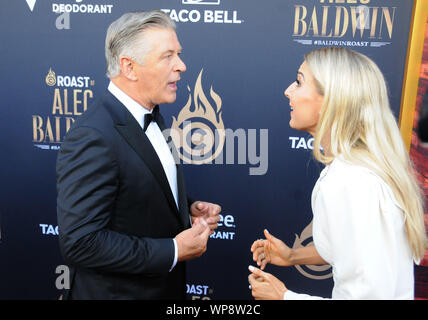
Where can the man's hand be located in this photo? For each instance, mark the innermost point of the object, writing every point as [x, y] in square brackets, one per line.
[207, 211]
[192, 243]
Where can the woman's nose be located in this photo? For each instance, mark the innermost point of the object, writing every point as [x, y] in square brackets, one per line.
[287, 91]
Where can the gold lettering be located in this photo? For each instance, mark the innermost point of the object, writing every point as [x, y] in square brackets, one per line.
[363, 15]
[48, 131]
[313, 24]
[66, 112]
[374, 20]
[57, 129]
[87, 93]
[339, 10]
[354, 21]
[37, 128]
[57, 104]
[299, 16]
[44, 132]
[324, 22]
[76, 102]
[388, 20]
[68, 122]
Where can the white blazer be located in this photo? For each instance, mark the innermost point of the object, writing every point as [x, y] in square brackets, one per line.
[359, 229]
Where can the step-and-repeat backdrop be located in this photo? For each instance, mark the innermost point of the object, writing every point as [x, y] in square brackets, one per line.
[239, 150]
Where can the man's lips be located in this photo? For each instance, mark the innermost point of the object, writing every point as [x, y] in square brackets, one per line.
[173, 85]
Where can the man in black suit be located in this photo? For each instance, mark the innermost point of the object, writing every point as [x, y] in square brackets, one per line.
[126, 225]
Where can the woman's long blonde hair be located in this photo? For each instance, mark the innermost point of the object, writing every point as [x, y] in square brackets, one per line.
[357, 120]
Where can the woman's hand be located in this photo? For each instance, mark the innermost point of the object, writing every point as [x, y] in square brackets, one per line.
[271, 250]
[265, 286]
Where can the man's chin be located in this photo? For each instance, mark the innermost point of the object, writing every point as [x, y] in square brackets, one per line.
[171, 98]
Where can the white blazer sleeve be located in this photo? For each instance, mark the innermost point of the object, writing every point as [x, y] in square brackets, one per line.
[358, 237]
[291, 295]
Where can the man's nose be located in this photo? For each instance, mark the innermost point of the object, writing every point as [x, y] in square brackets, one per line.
[180, 66]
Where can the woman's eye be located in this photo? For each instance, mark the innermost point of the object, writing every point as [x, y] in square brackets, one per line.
[298, 82]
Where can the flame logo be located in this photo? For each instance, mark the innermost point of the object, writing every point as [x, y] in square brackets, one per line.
[50, 78]
[320, 271]
[198, 133]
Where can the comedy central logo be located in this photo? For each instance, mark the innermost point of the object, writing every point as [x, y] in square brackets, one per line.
[315, 272]
[198, 131]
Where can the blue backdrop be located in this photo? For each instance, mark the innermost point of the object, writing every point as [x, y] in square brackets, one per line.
[241, 55]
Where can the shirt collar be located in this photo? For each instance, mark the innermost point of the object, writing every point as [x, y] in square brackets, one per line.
[136, 109]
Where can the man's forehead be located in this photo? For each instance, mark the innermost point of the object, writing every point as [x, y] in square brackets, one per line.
[162, 39]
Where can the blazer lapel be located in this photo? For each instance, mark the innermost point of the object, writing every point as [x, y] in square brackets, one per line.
[131, 131]
[181, 185]
[182, 198]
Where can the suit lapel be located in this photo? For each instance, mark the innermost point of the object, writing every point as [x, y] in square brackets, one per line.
[131, 131]
[182, 197]
[181, 186]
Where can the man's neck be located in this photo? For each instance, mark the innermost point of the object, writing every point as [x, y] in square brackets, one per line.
[130, 89]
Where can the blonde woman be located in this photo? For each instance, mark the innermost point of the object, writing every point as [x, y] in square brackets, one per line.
[368, 216]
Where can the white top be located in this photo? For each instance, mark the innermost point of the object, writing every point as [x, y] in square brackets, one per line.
[154, 134]
[359, 229]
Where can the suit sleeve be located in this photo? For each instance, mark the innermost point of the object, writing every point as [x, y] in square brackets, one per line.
[87, 183]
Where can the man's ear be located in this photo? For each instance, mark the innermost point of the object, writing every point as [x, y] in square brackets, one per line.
[127, 67]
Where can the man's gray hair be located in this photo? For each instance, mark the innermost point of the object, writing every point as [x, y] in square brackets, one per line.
[124, 37]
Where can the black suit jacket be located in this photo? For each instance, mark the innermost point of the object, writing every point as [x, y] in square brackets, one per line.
[116, 212]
